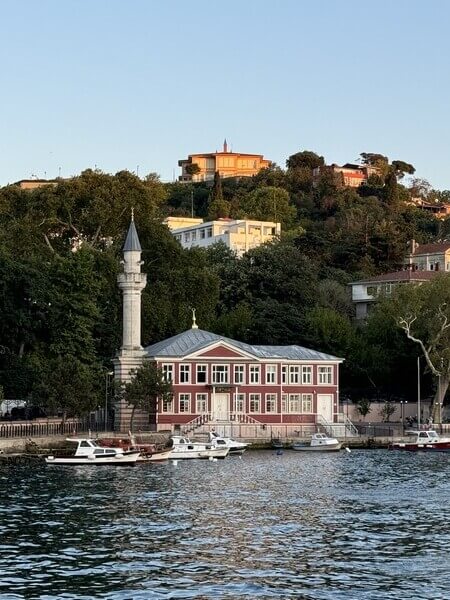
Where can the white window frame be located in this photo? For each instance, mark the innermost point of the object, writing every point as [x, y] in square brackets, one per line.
[167, 404]
[295, 403]
[307, 375]
[294, 374]
[272, 407]
[284, 374]
[239, 370]
[254, 398]
[325, 375]
[224, 375]
[284, 403]
[184, 373]
[307, 403]
[205, 367]
[239, 403]
[201, 398]
[254, 370]
[271, 374]
[184, 398]
[167, 368]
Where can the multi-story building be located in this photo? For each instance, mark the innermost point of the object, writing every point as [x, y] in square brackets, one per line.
[421, 264]
[226, 163]
[348, 175]
[238, 235]
[33, 184]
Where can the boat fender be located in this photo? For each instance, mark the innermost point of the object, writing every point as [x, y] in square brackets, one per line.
[347, 449]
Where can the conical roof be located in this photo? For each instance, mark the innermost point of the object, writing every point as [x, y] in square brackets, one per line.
[132, 243]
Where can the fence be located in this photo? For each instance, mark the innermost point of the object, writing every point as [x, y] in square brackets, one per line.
[41, 428]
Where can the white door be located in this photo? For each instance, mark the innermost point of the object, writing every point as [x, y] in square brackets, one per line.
[220, 409]
[325, 407]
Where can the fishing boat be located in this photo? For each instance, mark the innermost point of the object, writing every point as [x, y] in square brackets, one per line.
[233, 446]
[148, 452]
[319, 443]
[423, 441]
[89, 452]
[184, 448]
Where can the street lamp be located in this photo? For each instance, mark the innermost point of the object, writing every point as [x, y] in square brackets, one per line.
[402, 406]
[108, 374]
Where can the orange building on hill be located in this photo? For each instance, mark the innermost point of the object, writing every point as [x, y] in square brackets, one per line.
[227, 163]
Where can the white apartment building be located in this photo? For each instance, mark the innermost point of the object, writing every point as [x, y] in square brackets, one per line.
[237, 234]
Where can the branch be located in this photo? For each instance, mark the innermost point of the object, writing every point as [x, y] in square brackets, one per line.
[405, 323]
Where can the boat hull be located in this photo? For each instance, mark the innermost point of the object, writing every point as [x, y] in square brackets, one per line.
[124, 460]
[430, 447]
[185, 454]
[307, 448]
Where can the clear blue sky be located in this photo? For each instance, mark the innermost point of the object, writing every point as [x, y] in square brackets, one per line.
[121, 83]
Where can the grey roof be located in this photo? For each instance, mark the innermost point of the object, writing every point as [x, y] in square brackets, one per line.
[132, 243]
[194, 340]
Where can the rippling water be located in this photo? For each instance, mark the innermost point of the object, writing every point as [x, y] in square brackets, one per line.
[365, 525]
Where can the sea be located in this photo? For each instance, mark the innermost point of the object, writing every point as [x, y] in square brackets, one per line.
[365, 525]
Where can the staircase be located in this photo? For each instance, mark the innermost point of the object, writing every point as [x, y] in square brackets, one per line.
[343, 428]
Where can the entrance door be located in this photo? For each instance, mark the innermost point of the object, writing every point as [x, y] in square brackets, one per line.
[325, 407]
[220, 408]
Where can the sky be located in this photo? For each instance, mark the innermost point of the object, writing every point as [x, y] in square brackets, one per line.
[140, 84]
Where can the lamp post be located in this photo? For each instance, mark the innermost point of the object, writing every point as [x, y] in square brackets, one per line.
[402, 406]
[108, 374]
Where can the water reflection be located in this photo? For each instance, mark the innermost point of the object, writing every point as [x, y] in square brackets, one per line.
[363, 525]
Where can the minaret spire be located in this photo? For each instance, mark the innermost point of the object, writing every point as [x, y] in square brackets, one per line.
[194, 322]
[225, 145]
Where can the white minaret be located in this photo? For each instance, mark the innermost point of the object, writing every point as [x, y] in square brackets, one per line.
[131, 282]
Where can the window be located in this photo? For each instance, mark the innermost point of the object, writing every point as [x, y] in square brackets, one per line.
[220, 374]
[187, 236]
[306, 374]
[201, 403]
[239, 374]
[325, 375]
[202, 371]
[167, 404]
[185, 401]
[167, 373]
[254, 373]
[255, 402]
[284, 401]
[193, 236]
[271, 373]
[283, 374]
[271, 403]
[294, 374]
[239, 403]
[202, 234]
[294, 403]
[209, 232]
[185, 373]
[307, 403]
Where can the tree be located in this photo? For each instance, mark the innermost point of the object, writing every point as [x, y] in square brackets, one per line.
[387, 411]
[193, 169]
[268, 204]
[363, 406]
[305, 159]
[423, 313]
[217, 206]
[146, 387]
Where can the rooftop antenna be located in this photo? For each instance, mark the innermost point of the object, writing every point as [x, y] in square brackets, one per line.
[194, 322]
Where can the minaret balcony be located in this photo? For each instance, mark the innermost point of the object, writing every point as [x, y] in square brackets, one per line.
[132, 278]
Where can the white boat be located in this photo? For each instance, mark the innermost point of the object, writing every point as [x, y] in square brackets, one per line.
[89, 452]
[233, 446]
[424, 441]
[184, 448]
[319, 443]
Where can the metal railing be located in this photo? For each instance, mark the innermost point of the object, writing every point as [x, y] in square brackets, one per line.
[47, 428]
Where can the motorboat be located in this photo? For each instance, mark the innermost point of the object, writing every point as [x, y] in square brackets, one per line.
[233, 446]
[319, 443]
[148, 452]
[424, 441]
[277, 443]
[89, 452]
[184, 448]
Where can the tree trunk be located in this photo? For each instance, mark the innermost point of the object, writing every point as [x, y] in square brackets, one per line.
[131, 418]
[438, 400]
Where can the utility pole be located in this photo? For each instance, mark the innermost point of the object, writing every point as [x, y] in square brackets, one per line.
[192, 203]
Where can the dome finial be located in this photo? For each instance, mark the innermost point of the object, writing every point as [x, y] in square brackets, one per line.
[194, 322]
[132, 213]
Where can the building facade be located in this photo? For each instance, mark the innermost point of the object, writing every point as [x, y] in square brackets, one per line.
[238, 235]
[348, 175]
[428, 257]
[220, 381]
[226, 163]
